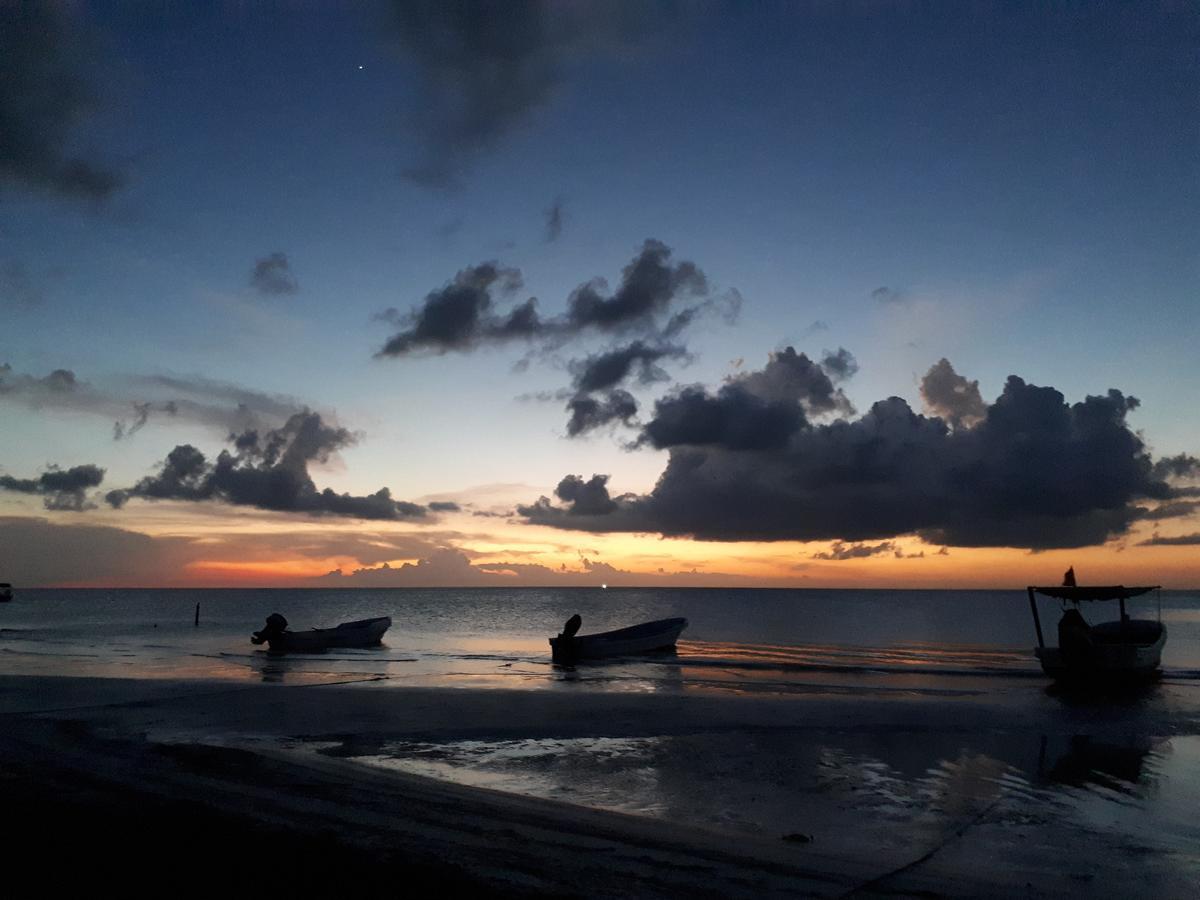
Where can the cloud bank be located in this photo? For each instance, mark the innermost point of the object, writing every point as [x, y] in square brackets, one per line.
[748, 463]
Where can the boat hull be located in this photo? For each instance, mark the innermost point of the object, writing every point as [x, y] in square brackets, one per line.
[1106, 659]
[644, 638]
[363, 633]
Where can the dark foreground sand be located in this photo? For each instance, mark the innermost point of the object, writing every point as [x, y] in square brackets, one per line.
[128, 783]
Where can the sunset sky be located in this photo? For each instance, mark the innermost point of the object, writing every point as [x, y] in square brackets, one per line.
[762, 294]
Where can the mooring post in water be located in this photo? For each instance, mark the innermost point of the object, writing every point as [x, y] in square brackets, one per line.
[197, 622]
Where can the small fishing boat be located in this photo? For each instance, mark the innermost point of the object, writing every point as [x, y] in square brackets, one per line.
[5, 591]
[1125, 650]
[363, 633]
[644, 638]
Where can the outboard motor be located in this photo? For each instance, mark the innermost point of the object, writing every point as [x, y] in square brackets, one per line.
[276, 625]
[572, 627]
[564, 646]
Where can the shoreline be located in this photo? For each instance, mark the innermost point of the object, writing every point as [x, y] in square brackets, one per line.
[241, 758]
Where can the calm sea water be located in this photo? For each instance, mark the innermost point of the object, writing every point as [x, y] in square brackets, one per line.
[737, 640]
[951, 743]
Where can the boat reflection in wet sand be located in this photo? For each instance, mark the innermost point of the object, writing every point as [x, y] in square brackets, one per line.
[1124, 650]
[570, 647]
[363, 633]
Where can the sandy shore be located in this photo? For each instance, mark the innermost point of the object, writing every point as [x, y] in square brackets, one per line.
[222, 781]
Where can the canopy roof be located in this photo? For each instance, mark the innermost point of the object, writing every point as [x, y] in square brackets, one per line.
[1097, 592]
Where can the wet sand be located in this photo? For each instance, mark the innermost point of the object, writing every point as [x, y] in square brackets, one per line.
[258, 785]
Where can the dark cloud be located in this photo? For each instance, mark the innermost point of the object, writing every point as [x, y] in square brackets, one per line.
[839, 364]
[486, 67]
[267, 471]
[611, 367]
[886, 295]
[444, 506]
[841, 551]
[733, 418]
[42, 99]
[649, 283]
[554, 221]
[1176, 509]
[589, 413]
[463, 315]
[1182, 466]
[761, 410]
[951, 396]
[1036, 472]
[791, 377]
[1179, 540]
[272, 276]
[61, 489]
[460, 315]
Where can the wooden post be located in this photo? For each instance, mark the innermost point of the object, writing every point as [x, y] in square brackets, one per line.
[197, 622]
[1037, 623]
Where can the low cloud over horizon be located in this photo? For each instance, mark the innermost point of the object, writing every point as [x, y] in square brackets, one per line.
[747, 464]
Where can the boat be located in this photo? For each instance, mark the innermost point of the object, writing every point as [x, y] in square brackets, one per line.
[5, 591]
[1123, 650]
[649, 636]
[362, 633]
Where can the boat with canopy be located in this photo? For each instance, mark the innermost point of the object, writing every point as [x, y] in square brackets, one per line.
[1127, 649]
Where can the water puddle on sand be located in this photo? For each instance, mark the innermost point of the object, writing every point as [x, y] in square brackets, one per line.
[1032, 800]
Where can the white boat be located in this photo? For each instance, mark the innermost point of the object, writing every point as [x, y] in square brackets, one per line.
[649, 636]
[1125, 650]
[362, 633]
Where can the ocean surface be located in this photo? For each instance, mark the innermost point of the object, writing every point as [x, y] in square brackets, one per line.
[736, 640]
[1121, 773]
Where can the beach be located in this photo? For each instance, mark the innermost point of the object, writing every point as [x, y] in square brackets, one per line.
[284, 784]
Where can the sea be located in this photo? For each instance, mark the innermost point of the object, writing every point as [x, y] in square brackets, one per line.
[1036, 769]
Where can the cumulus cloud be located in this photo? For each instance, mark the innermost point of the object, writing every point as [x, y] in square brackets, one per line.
[272, 276]
[43, 97]
[760, 410]
[60, 489]
[267, 471]
[951, 396]
[1183, 466]
[484, 68]
[1035, 472]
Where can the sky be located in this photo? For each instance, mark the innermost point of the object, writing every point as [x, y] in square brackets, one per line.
[530, 293]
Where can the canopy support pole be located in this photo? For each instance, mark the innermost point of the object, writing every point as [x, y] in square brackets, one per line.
[1037, 623]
